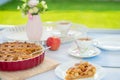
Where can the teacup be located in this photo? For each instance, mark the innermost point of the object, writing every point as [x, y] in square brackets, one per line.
[63, 27]
[84, 44]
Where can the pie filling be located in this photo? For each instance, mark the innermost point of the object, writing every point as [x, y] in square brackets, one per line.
[15, 51]
[80, 70]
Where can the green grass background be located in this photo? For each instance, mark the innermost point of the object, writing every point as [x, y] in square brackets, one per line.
[94, 14]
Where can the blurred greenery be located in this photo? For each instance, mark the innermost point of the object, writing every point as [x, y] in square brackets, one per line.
[94, 14]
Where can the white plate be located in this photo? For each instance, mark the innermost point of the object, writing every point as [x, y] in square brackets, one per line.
[19, 33]
[60, 71]
[91, 52]
[108, 43]
[5, 26]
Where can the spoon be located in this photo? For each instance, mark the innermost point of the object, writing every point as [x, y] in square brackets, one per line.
[77, 45]
[36, 52]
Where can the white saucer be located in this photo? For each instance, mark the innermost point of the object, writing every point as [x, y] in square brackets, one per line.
[108, 43]
[60, 71]
[91, 52]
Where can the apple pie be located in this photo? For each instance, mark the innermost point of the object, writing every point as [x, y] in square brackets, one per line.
[15, 51]
[80, 70]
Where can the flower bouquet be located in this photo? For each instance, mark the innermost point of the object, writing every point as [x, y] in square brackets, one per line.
[33, 7]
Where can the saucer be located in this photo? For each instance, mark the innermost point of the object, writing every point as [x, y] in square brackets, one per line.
[90, 52]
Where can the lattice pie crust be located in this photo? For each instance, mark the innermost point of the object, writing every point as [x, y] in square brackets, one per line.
[14, 51]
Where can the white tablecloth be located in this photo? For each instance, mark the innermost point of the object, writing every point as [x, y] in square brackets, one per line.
[62, 56]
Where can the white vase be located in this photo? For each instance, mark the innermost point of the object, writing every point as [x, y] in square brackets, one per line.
[34, 28]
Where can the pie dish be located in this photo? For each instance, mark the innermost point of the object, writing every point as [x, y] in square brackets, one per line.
[19, 55]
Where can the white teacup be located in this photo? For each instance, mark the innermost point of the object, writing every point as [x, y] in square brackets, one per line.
[63, 27]
[84, 44]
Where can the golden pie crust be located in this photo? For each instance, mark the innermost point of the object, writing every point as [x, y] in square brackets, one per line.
[80, 70]
[15, 51]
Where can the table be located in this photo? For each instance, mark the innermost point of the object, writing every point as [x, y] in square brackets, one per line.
[61, 56]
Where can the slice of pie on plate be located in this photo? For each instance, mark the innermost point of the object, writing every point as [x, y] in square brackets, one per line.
[80, 71]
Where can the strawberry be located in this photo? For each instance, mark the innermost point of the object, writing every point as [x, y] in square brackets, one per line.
[53, 43]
